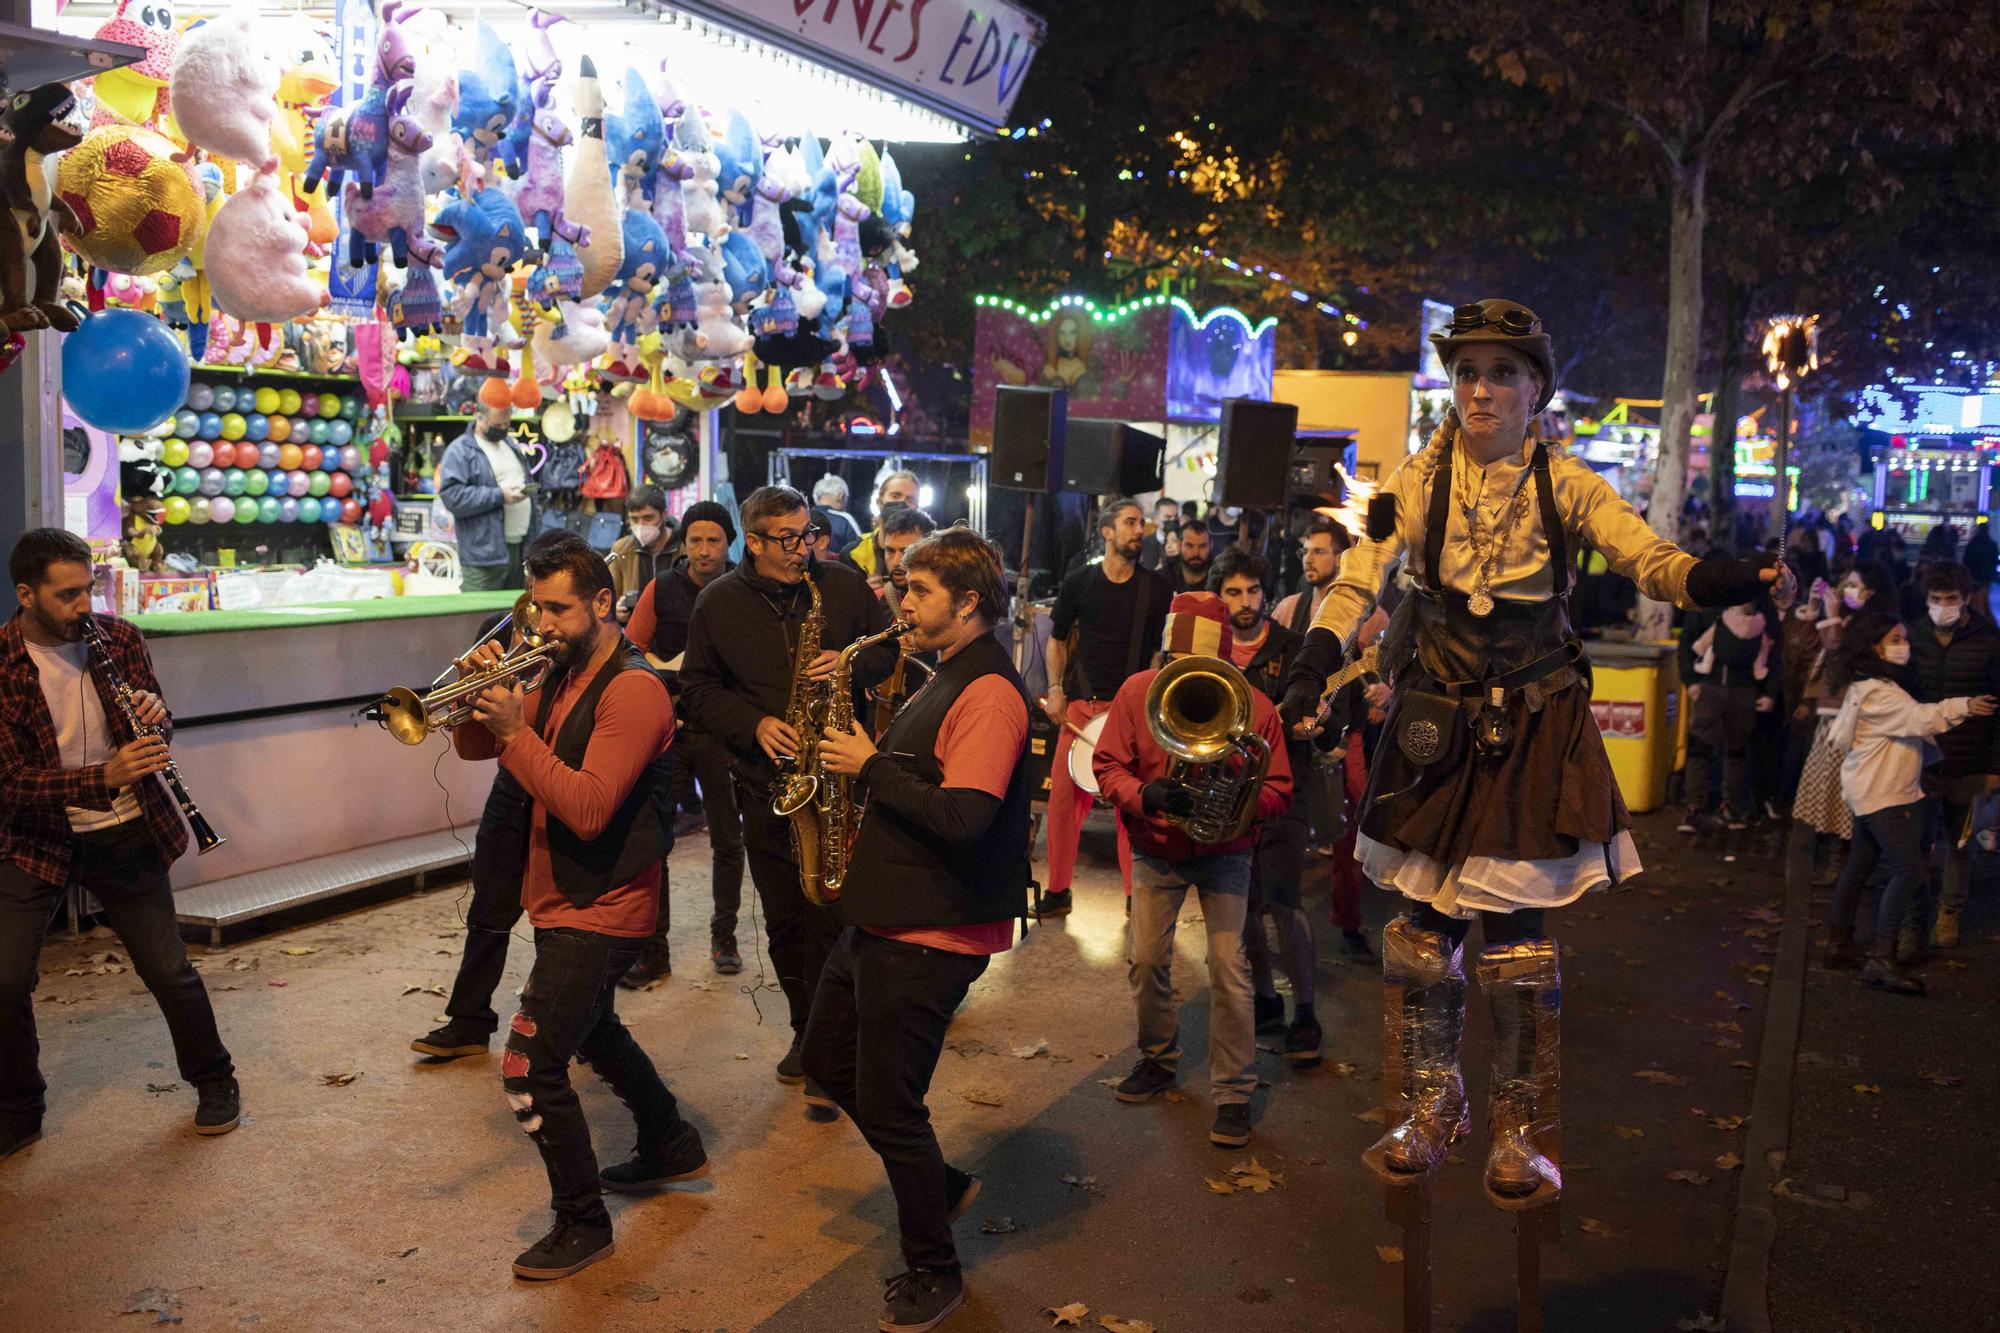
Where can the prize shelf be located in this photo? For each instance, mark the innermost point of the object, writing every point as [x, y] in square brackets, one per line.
[31, 57]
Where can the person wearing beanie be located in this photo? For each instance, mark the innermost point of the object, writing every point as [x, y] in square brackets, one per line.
[659, 625]
[1131, 771]
[1491, 798]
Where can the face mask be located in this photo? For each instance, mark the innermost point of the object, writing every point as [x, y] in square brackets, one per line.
[1944, 617]
[493, 434]
[1852, 598]
[646, 533]
[1898, 653]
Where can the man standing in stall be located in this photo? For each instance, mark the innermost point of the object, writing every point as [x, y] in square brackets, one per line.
[1118, 610]
[640, 555]
[590, 750]
[79, 802]
[736, 684]
[483, 482]
[938, 874]
[660, 626]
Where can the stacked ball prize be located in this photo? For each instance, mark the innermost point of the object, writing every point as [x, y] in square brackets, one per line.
[243, 455]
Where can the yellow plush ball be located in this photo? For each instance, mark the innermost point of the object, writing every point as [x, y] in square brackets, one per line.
[139, 206]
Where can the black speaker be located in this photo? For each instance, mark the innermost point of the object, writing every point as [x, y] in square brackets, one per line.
[1313, 470]
[1253, 458]
[1102, 457]
[1028, 427]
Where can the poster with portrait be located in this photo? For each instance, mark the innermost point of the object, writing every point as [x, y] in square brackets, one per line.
[1113, 367]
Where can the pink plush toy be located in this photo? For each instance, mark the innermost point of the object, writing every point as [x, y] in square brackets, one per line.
[224, 90]
[256, 254]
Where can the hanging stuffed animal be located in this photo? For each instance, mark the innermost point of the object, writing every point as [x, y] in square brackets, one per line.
[588, 198]
[540, 194]
[137, 94]
[634, 138]
[305, 82]
[394, 216]
[434, 95]
[898, 208]
[740, 159]
[224, 89]
[31, 128]
[415, 307]
[722, 338]
[699, 196]
[487, 100]
[782, 180]
[629, 305]
[744, 269]
[256, 261]
[484, 239]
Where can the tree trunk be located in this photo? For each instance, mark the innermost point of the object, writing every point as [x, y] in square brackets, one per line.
[1678, 388]
[1728, 406]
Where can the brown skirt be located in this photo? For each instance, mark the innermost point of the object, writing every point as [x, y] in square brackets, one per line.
[1550, 791]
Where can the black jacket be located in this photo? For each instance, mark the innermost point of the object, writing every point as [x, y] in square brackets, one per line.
[1968, 664]
[674, 596]
[744, 637]
[1735, 659]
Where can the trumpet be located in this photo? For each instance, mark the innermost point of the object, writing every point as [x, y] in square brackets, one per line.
[1199, 710]
[410, 716]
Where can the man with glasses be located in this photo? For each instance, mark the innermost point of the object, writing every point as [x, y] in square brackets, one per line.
[736, 684]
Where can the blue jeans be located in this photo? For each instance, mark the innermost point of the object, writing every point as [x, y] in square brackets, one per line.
[1894, 839]
[1158, 890]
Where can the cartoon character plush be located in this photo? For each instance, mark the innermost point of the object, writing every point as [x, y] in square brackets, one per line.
[137, 94]
[628, 308]
[488, 97]
[415, 308]
[540, 193]
[224, 89]
[700, 198]
[782, 180]
[588, 198]
[394, 215]
[484, 238]
[722, 338]
[256, 260]
[305, 81]
[634, 138]
[740, 159]
[899, 208]
[351, 140]
[31, 128]
[139, 536]
[744, 269]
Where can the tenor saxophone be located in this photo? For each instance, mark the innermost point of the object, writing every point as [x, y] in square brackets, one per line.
[799, 776]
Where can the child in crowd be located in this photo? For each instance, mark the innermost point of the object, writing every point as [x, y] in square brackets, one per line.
[1882, 733]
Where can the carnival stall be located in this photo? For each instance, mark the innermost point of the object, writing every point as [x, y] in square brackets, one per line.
[1933, 450]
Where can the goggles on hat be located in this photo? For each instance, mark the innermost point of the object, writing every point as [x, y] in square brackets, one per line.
[1515, 322]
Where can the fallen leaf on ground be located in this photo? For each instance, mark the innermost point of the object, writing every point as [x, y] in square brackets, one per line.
[1726, 1043]
[636, 1292]
[299, 950]
[1342, 1069]
[1868, 1089]
[1630, 1132]
[1954, 964]
[1175, 1095]
[1689, 1177]
[241, 964]
[1726, 1121]
[1389, 1254]
[1374, 1115]
[155, 1301]
[1729, 1161]
[1254, 1178]
[1067, 1316]
[423, 990]
[1744, 1064]
[1938, 1078]
[1117, 1325]
[1081, 1182]
[1596, 1228]
[1660, 1076]
[277, 983]
[998, 1226]
[743, 1055]
[339, 1080]
[1029, 1052]
[157, 1088]
[983, 1097]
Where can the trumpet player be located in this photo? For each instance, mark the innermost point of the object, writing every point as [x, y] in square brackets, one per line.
[738, 681]
[79, 802]
[589, 747]
[1131, 768]
[937, 874]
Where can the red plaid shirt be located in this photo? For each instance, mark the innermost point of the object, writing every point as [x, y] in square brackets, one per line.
[35, 788]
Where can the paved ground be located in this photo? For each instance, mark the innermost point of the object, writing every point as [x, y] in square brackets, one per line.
[396, 1199]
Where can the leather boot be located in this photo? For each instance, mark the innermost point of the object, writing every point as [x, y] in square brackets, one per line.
[1523, 985]
[1840, 954]
[1884, 971]
[1423, 978]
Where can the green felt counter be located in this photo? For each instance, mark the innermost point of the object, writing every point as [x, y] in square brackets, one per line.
[168, 623]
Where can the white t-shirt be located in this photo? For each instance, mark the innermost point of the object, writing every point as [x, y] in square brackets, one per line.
[83, 737]
[507, 470]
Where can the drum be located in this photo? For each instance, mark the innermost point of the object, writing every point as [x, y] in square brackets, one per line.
[1081, 749]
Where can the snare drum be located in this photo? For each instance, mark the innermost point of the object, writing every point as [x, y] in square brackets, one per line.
[1081, 750]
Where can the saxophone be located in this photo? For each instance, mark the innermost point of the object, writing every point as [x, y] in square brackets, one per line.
[798, 777]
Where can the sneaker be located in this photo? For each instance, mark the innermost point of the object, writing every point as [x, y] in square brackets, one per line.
[1232, 1125]
[457, 1037]
[1772, 812]
[1051, 904]
[569, 1247]
[1302, 1041]
[650, 966]
[1734, 819]
[727, 961]
[961, 1189]
[17, 1132]
[920, 1300]
[792, 1069]
[220, 1108]
[680, 1158]
[1354, 944]
[1689, 822]
[820, 1106]
[1269, 1011]
[1148, 1079]
[1944, 932]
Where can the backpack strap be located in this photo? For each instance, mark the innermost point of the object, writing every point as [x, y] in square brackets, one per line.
[1552, 526]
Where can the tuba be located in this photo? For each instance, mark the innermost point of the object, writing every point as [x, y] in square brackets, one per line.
[1199, 710]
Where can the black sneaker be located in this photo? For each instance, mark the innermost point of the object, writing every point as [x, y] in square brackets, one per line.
[1302, 1041]
[1051, 904]
[1733, 819]
[791, 1069]
[569, 1247]
[652, 965]
[727, 961]
[920, 1300]
[961, 1189]
[1269, 1011]
[1690, 822]
[680, 1158]
[1354, 944]
[1232, 1125]
[1148, 1079]
[820, 1106]
[220, 1107]
[457, 1037]
[18, 1131]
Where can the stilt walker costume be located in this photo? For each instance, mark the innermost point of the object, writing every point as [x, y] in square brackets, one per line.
[1492, 796]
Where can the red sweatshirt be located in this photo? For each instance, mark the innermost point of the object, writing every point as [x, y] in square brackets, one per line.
[634, 724]
[1127, 759]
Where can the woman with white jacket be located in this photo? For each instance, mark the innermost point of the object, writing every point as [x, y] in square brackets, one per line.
[1883, 734]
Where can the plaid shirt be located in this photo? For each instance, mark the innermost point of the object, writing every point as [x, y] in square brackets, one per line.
[35, 788]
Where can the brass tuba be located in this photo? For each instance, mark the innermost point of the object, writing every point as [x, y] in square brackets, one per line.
[1200, 711]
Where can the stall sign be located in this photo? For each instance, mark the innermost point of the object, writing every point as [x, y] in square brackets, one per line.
[1114, 368]
[352, 289]
[965, 58]
[1624, 719]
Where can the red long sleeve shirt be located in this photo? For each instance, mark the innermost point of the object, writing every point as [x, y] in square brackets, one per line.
[1127, 758]
[634, 725]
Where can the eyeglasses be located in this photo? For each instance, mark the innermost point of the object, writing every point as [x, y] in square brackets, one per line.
[789, 542]
[1515, 321]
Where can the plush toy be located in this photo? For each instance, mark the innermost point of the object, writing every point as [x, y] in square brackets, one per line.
[540, 194]
[224, 90]
[256, 257]
[588, 198]
[305, 81]
[394, 216]
[137, 206]
[628, 307]
[31, 128]
[576, 336]
[484, 238]
[898, 210]
[137, 94]
[139, 535]
[740, 157]
[699, 196]
[722, 338]
[351, 140]
[782, 180]
[142, 478]
[487, 98]
[634, 139]
[744, 269]
[415, 308]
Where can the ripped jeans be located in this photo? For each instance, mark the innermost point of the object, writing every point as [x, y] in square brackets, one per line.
[566, 1012]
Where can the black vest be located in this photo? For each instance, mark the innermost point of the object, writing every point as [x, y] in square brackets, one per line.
[641, 831]
[902, 876]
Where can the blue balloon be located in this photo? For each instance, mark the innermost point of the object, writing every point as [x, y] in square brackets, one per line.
[267, 510]
[309, 510]
[318, 431]
[201, 397]
[225, 398]
[256, 426]
[211, 425]
[340, 433]
[288, 510]
[267, 457]
[212, 481]
[329, 510]
[123, 372]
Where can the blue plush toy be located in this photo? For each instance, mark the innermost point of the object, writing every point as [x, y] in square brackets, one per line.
[489, 97]
[484, 238]
[629, 310]
[741, 154]
[744, 268]
[633, 140]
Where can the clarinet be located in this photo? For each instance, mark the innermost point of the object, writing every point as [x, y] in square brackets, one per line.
[206, 839]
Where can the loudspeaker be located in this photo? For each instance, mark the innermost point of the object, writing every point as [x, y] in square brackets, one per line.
[1253, 457]
[1102, 457]
[1028, 427]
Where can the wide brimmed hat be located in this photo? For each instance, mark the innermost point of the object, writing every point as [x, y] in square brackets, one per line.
[1507, 323]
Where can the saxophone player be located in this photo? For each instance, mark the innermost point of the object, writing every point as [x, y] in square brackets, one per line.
[738, 679]
[937, 873]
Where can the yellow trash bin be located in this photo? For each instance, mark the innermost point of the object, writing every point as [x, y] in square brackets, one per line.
[1636, 698]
